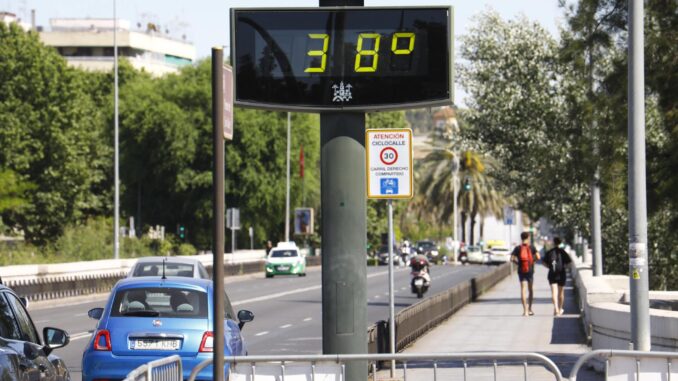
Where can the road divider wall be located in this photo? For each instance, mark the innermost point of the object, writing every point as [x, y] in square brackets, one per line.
[47, 286]
[415, 320]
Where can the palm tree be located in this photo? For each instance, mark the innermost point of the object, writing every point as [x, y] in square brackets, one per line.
[436, 190]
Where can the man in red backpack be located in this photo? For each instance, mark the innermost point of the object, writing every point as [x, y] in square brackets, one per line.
[524, 255]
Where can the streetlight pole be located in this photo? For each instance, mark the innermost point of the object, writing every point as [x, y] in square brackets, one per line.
[455, 187]
[287, 187]
[116, 219]
[638, 255]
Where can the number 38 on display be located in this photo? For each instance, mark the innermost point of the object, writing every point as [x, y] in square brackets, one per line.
[406, 48]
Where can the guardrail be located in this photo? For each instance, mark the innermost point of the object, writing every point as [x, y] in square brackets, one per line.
[77, 285]
[164, 369]
[657, 365]
[411, 366]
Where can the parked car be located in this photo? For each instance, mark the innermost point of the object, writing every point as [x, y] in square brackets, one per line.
[146, 319]
[474, 254]
[285, 259]
[499, 254]
[382, 255]
[169, 266]
[429, 249]
[23, 356]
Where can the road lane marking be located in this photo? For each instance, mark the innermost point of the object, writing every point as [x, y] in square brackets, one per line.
[80, 335]
[286, 326]
[292, 292]
[262, 333]
[41, 321]
[82, 314]
[308, 319]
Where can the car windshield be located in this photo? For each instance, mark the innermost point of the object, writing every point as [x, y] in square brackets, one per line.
[171, 269]
[473, 248]
[284, 254]
[500, 249]
[425, 244]
[163, 302]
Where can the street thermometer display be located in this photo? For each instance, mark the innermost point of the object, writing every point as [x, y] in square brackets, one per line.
[342, 58]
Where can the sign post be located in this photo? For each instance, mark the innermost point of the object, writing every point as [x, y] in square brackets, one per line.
[389, 176]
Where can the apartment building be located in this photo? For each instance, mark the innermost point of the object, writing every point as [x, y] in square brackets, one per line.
[88, 43]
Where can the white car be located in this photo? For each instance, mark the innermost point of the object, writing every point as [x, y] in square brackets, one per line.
[500, 254]
[475, 255]
[169, 266]
[285, 259]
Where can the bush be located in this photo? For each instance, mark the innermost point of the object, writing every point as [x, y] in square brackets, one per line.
[92, 240]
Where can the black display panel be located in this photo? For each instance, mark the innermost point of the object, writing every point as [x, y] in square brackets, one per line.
[342, 58]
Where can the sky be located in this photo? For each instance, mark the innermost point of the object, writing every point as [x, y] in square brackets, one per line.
[206, 22]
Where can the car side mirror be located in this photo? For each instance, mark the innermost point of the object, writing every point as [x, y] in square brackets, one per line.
[244, 316]
[24, 301]
[55, 338]
[95, 313]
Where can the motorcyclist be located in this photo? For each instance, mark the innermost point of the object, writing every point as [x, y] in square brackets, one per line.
[421, 267]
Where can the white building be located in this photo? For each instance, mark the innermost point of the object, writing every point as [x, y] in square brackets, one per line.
[88, 44]
[11, 18]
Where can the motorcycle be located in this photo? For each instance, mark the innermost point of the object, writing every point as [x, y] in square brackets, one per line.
[420, 282]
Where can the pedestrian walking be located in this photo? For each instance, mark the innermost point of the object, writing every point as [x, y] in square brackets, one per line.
[269, 247]
[557, 261]
[524, 255]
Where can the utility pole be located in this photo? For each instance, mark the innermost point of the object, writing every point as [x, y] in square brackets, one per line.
[116, 219]
[638, 254]
[596, 232]
[218, 205]
[455, 221]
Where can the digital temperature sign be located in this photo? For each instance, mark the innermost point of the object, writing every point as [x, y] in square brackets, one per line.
[342, 58]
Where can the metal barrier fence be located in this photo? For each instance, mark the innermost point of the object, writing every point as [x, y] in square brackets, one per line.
[414, 320]
[658, 364]
[164, 369]
[420, 366]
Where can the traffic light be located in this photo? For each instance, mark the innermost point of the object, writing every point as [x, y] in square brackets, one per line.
[467, 185]
[182, 232]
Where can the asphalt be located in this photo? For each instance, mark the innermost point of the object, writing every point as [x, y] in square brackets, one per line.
[494, 323]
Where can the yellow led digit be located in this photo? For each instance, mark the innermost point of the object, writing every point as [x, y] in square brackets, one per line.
[394, 44]
[318, 53]
[367, 52]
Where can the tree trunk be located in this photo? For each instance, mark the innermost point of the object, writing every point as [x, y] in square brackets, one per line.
[463, 227]
[473, 224]
[482, 229]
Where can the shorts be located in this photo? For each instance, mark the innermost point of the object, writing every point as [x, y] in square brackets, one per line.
[525, 277]
[557, 278]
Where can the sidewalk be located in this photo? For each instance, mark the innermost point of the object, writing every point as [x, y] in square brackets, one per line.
[495, 323]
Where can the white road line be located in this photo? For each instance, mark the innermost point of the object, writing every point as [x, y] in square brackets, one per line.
[308, 319]
[286, 326]
[41, 321]
[82, 314]
[262, 333]
[80, 335]
[291, 292]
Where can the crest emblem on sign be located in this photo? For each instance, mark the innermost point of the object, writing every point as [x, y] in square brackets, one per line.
[157, 323]
[342, 93]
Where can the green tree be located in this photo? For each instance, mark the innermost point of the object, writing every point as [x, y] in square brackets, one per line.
[12, 191]
[51, 135]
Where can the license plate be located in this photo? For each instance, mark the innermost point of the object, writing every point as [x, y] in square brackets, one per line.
[283, 268]
[156, 344]
[419, 282]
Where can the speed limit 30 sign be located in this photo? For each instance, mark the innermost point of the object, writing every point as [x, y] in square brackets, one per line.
[389, 163]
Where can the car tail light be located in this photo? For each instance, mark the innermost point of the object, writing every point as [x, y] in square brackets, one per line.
[207, 343]
[102, 340]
